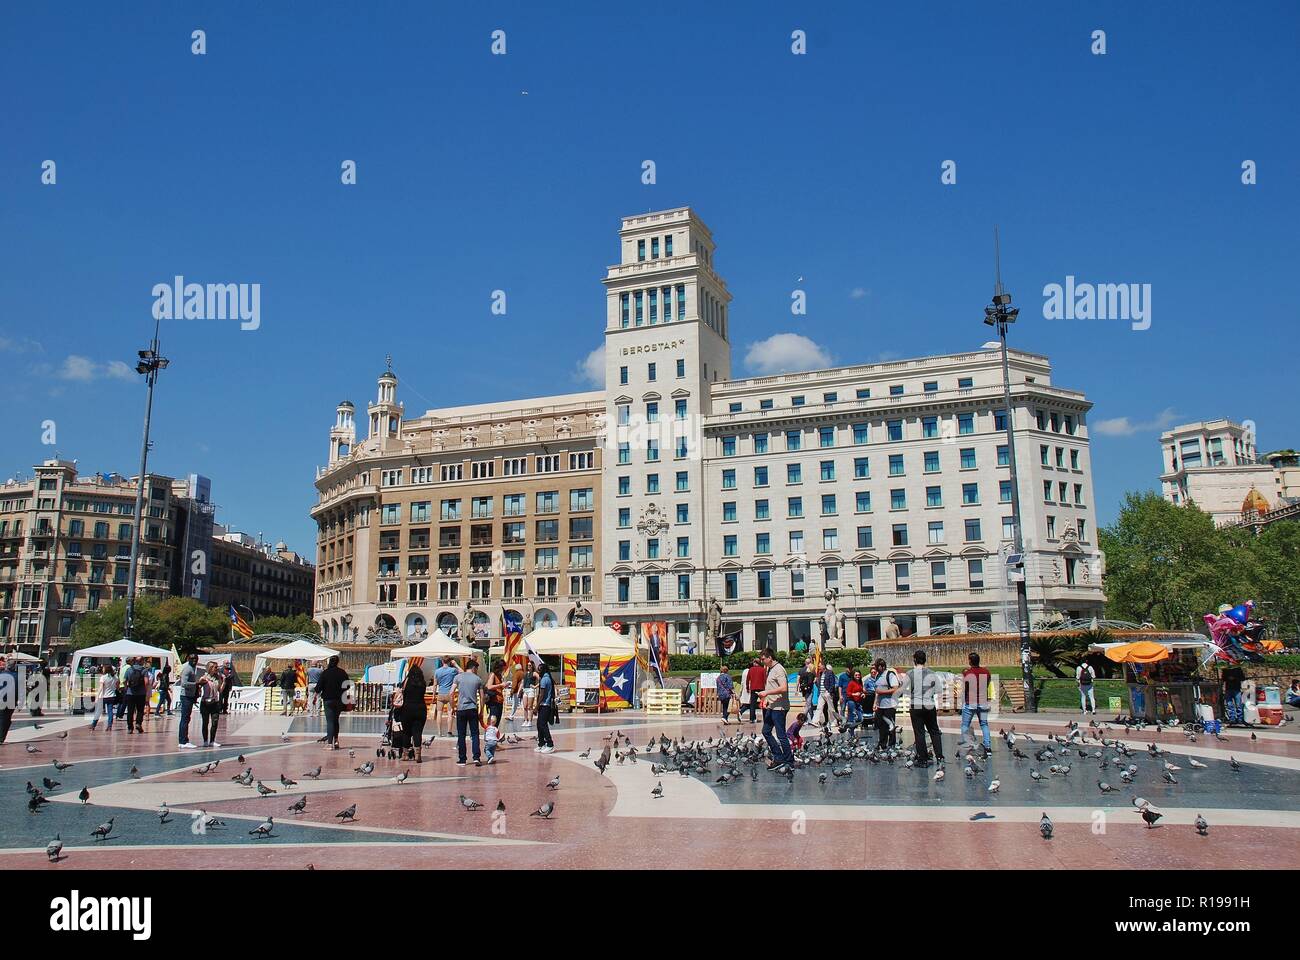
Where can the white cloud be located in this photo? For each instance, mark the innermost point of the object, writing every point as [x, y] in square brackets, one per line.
[857, 293]
[592, 369]
[84, 370]
[1124, 427]
[785, 352]
[21, 345]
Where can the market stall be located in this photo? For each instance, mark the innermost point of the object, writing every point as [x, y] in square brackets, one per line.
[1164, 677]
[598, 665]
[84, 684]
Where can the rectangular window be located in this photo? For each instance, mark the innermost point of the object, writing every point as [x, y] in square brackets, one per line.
[938, 575]
[861, 468]
[860, 433]
[514, 504]
[760, 510]
[794, 506]
[762, 543]
[895, 389]
[972, 531]
[581, 499]
[828, 505]
[1000, 420]
[864, 538]
[827, 470]
[934, 496]
[970, 493]
[1004, 491]
[1074, 459]
[793, 473]
[975, 573]
[730, 586]
[793, 439]
[965, 423]
[930, 386]
[899, 531]
[867, 578]
[1078, 494]
[1044, 452]
[796, 541]
[548, 501]
[623, 311]
[624, 589]
[728, 446]
[683, 548]
[760, 443]
[863, 393]
[652, 451]
[895, 430]
[797, 401]
[652, 483]
[683, 513]
[931, 461]
[826, 436]
[681, 366]
[934, 532]
[830, 539]
[652, 587]
[968, 458]
[895, 464]
[902, 575]
[420, 512]
[965, 383]
[679, 409]
[765, 584]
[480, 507]
[640, 250]
[682, 481]
[729, 545]
[622, 371]
[929, 427]
[624, 517]
[683, 586]
[1004, 455]
[898, 499]
[728, 479]
[862, 501]
[729, 511]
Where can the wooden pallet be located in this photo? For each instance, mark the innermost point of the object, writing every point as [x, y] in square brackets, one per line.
[663, 702]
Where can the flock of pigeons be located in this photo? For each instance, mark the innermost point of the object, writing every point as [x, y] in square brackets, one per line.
[733, 758]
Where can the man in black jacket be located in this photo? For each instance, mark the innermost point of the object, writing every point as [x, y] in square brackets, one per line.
[330, 688]
[288, 680]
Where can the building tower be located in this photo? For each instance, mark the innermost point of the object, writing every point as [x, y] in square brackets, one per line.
[666, 342]
[386, 412]
[344, 432]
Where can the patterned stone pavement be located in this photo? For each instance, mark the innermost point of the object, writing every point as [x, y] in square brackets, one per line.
[882, 816]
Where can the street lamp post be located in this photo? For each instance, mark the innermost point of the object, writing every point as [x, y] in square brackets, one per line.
[151, 361]
[1000, 314]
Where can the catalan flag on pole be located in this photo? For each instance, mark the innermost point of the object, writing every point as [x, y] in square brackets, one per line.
[512, 629]
[300, 674]
[239, 624]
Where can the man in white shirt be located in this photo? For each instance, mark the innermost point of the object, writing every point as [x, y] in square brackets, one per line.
[887, 687]
[925, 686]
[1087, 699]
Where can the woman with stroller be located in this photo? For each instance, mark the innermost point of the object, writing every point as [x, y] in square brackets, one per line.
[413, 713]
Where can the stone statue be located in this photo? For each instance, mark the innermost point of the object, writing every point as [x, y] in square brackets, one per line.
[713, 624]
[598, 421]
[530, 431]
[564, 426]
[439, 439]
[832, 620]
[469, 436]
[467, 634]
[498, 433]
[889, 628]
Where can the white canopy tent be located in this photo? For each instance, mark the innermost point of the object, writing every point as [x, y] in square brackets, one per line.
[17, 656]
[560, 640]
[297, 650]
[118, 649]
[436, 644]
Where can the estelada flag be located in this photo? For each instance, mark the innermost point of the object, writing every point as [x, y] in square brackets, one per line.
[512, 628]
[240, 624]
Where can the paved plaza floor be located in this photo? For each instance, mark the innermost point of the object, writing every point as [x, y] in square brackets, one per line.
[879, 816]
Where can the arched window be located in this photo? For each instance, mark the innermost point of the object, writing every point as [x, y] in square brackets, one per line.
[545, 618]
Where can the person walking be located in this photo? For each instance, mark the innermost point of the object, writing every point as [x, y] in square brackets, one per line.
[755, 680]
[1232, 678]
[105, 697]
[923, 685]
[725, 690]
[494, 691]
[807, 684]
[975, 700]
[444, 675]
[227, 685]
[210, 704]
[164, 690]
[189, 688]
[545, 708]
[414, 713]
[886, 702]
[288, 680]
[330, 688]
[531, 679]
[467, 692]
[1087, 698]
[9, 698]
[313, 698]
[827, 687]
[776, 704]
[136, 693]
[853, 696]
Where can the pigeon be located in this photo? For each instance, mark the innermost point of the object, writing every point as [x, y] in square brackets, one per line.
[1252, 735]
[1150, 816]
[345, 815]
[554, 784]
[544, 811]
[1169, 777]
[938, 775]
[163, 813]
[585, 754]
[35, 803]
[1171, 767]
[31, 749]
[352, 754]
[299, 805]
[401, 777]
[84, 796]
[469, 804]
[135, 772]
[1195, 764]
[658, 791]
[210, 822]
[1035, 776]
[264, 790]
[286, 782]
[1045, 827]
[263, 829]
[1202, 827]
[1105, 787]
[993, 787]
[1236, 767]
[60, 766]
[49, 784]
[204, 770]
[821, 778]
[63, 735]
[501, 806]
[1139, 802]
[366, 769]
[240, 759]
[54, 848]
[102, 831]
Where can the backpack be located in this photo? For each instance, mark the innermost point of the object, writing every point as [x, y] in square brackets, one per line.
[1085, 674]
[135, 681]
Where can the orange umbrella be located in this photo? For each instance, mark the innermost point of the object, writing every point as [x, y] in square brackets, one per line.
[1142, 651]
[1273, 646]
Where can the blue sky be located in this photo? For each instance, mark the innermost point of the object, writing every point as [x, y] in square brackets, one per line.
[226, 168]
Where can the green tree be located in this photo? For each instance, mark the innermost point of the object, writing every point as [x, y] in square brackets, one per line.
[1170, 565]
[1277, 553]
[299, 623]
[159, 623]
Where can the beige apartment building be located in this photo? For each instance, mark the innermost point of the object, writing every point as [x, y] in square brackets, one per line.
[1216, 465]
[65, 549]
[270, 580]
[459, 515]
